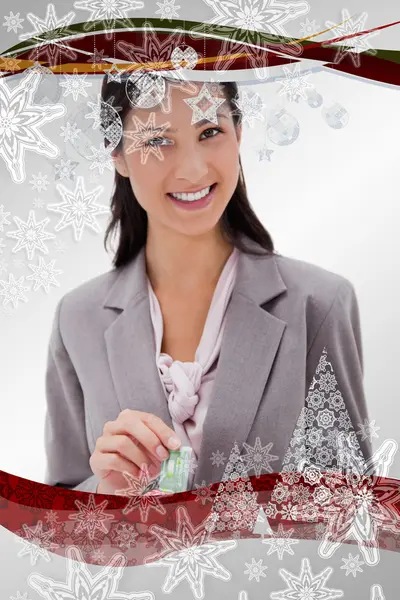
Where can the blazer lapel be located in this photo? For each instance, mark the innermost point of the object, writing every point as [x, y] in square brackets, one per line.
[131, 346]
[249, 346]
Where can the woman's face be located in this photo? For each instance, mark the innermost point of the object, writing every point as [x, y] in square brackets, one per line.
[188, 158]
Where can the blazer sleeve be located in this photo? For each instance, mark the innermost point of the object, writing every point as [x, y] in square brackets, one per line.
[66, 445]
[340, 336]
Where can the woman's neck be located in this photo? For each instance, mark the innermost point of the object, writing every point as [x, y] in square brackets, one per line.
[185, 263]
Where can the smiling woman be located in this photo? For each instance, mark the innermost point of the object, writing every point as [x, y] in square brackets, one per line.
[201, 335]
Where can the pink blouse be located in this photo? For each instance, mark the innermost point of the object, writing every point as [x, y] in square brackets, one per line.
[188, 385]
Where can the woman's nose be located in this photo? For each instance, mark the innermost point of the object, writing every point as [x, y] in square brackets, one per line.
[191, 164]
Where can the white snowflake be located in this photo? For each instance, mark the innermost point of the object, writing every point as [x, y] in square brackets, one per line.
[251, 15]
[255, 570]
[19, 597]
[258, 457]
[36, 542]
[60, 246]
[108, 9]
[250, 107]
[81, 583]
[79, 208]
[167, 10]
[20, 121]
[137, 498]
[218, 458]
[113, 74]
[65, 169]
[44, 275]
[294, 85]
[3, 266]
[309, 28]
[368, 429]
[355, 45]
[98, 556]
[19, 263]
[30, 235]
[13, 22]
[3, 218]
[306, 584]
[280, 542]
[38, 202]
[13, 291]
[189, 553]
[39, 182]
[352, 564]
[75, 84]
[91, 516]
[101, 159]
[203, 493]
[70, 132]
[49, 43]
[142, 137]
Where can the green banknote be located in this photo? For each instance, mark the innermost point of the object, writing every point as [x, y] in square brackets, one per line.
[175, 470]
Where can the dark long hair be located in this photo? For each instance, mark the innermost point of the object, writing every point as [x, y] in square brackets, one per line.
[128, 215]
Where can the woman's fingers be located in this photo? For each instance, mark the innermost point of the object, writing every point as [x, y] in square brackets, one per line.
[127, 449]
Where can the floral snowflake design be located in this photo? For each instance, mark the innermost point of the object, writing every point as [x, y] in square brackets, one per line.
[36, 542]
[19, 597]
[354, 46]
[352, 564]
[368, 430]
[306, 584]
[137, 498]
[189, 553]
[75, 85]
[168, 10]
[123, 535]
[111, 12]
[100, 159]
[38, 202]
[280, 542]
[258, 457]
[309, 28]
[30, 235]
[78, 208]
[13, 291]
[50, 45]
[3, 218]
[44, 275]
[294, 85]
[65, 169]
[142, 137]
[39, 182]
[217, 458]
[80, 583]
[13, 22]
[255, 570]
[249, 107]
[91, 517]
[203, 493]
[255, 20]
[70, 132]
[20, 122]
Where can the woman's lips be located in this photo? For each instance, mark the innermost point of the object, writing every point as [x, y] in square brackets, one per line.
[194, 204]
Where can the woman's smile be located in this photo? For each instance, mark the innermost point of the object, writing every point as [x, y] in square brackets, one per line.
[194, 204]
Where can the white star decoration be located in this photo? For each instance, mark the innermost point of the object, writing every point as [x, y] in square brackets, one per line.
[189, 553]
[142, 135]
[13, 290]
[44, 275]
[30, 235]
[78, 208]
[80, 583]
[91, 516]
[137, 498]
[20, 122]
[204, 106]
[36, 542]
[306, 585]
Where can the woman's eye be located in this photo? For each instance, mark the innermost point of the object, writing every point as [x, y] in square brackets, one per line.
[217, 129]
[153, 141]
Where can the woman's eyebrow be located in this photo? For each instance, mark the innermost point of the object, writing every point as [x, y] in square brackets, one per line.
[197, 125]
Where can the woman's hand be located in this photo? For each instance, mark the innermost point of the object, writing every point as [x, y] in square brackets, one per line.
[135, 438]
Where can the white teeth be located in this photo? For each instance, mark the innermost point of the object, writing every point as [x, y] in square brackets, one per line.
[192, 197]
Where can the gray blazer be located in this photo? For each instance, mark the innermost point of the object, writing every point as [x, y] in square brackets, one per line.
[282, 314]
